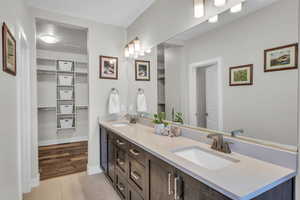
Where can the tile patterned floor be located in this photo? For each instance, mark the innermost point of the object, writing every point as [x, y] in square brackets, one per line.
[74, 187]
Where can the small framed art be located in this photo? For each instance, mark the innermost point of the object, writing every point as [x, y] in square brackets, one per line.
[281, 58]
[9, 51]
[241, 75]
[108, 67]
[142, 70]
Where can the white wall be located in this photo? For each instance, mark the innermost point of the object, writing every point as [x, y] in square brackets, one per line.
[266, 110]
[166, 18]
[102, 40]
[15, 14]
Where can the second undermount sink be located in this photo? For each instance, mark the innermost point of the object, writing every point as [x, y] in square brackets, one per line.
[120, 124]
[205, 158]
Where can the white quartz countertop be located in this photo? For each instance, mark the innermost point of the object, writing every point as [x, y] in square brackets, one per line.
[242, 180]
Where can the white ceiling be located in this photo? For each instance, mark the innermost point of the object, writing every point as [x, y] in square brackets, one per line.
[72, 39]
[115, 12]
[249, 7]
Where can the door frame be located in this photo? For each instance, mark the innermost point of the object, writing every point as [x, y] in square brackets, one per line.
[192, 103]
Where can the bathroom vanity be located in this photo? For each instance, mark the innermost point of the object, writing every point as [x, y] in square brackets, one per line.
[143, 166]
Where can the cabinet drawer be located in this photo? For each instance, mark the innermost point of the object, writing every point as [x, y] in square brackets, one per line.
[137, 153]
[121, 143]
[133, 195]
[121, 160]
[137, 176]
[121, 185]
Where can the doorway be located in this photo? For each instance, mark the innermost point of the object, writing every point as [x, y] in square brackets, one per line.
[206, 94]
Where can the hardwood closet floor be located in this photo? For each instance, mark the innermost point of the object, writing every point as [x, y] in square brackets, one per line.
[74, 187]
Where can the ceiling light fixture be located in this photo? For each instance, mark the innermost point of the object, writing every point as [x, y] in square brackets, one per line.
[48, 38]
[213, 19]
[237, 8]
[219, 3]
[198, 8]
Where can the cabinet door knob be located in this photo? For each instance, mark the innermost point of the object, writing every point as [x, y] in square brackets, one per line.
[135, 175]
[120, 187]
[134, 152]
[120, 162]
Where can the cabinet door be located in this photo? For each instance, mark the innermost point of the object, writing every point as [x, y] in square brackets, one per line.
[103, 149]
[160, 180]
[188, 188]
[111, 159]
[133, 195]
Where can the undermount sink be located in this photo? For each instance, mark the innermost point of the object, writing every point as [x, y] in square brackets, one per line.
[205, 158]
[120, 124]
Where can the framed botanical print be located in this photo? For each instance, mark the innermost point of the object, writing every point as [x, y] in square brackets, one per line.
[9, 51]
[281, 58]
[142, 70]
[108, 67]
[241, 75]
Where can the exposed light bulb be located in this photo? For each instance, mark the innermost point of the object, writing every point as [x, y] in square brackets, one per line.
[137, 44]
[213, 19]
[148, 51]
[126, 51]
[219, 3]
[237, 8]
[48, 38]
[131, 48]
[198, 8]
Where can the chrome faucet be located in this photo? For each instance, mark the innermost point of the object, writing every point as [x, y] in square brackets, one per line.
[218, 143]
[237, 132]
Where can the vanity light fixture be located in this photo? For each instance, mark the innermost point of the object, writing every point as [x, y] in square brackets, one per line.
[137, 44]
[142, 53]
[198, 8]
[49, 38]
[213, 19]
[131, 48]
[237, 8]
[219, 3]
[126, 51]
[148, 51]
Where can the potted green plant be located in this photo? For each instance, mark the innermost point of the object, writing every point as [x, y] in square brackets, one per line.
[178, 118]
[159, 123]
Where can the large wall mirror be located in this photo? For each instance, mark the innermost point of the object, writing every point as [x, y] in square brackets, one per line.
[239, 73]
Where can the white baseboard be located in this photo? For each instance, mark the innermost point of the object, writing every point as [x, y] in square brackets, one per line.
[63, 140]
[35, 181]
[91, 170]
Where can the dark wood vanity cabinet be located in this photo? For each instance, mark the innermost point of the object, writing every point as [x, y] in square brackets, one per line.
[139, 175]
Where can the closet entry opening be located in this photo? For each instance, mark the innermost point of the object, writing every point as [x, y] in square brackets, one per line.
[62, 82]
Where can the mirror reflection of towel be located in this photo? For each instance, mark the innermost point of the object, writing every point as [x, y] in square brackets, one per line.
[114, 103]
[141, 103]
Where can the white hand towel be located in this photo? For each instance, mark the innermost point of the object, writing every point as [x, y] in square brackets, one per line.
[141, 103]
[114, 103]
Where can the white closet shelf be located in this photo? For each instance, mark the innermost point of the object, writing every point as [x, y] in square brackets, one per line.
[53, 72]
[82, 107]
[59, 129]
[61, 114]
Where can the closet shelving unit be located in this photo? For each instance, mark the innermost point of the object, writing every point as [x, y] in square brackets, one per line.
[48, 67]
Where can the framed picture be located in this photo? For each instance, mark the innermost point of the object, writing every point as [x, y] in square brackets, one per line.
[281, 58]
[241, 75]
[9, 51]
[108, 67]
[142, 70]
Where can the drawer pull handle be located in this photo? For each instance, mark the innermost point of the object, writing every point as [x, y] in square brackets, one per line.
[169, 183]
[120, 187]
[120, 143]
[120, 162]
[135, 175]
[134, 152]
